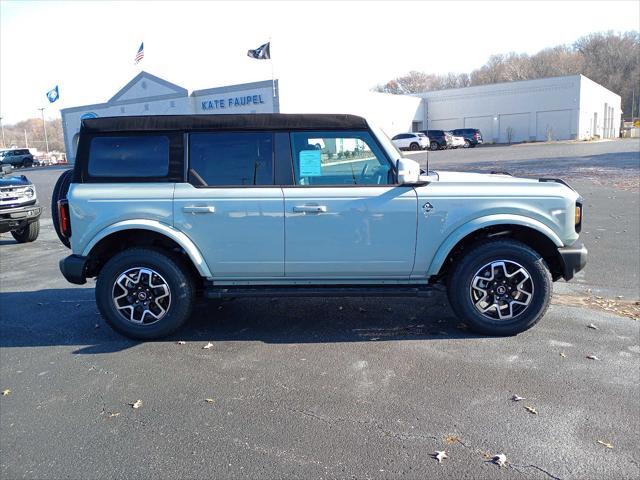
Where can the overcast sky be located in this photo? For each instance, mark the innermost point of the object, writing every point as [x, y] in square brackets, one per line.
[88, 48]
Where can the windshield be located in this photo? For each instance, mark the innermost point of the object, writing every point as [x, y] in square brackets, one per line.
[386, 142]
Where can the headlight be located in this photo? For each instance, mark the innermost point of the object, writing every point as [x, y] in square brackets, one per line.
[29, 192]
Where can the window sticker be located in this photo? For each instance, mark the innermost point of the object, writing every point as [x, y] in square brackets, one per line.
[310, 163]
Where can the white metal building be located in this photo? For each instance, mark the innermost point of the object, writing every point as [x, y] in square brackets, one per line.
[558, 108]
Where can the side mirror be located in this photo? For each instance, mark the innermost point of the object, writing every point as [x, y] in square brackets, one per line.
[408, 171]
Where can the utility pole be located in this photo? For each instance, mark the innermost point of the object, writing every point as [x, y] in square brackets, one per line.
[4, 145]
[26, 140]
[44, 127]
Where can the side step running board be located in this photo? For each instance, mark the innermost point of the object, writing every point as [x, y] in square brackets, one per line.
[321, 291]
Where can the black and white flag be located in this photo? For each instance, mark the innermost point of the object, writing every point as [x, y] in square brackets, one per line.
[261, 53]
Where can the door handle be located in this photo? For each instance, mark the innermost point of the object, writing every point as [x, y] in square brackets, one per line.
[198, 209]
[310, 208]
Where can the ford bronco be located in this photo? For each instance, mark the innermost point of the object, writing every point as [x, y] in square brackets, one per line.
[162, 209]
[19, 209]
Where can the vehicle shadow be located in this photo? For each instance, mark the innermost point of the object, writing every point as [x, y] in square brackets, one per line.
[69, 317]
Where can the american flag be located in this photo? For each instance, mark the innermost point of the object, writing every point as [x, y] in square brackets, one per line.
[140, 54]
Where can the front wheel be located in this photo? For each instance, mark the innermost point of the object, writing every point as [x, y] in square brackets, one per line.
[433, 146]
[145, 294]
[28, 233]
[414, 146]
[500, 287]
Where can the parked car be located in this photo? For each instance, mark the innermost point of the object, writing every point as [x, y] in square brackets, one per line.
[439, 139]
[472, 136]
[19, 209]
[162, 209]
[411, 141]
[455, 140]
[17, 157]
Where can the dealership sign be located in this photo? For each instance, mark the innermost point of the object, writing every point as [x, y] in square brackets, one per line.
[232, 102]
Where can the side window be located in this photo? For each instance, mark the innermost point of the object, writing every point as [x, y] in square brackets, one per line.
[230, 159]
[339, 158]
[136, 156]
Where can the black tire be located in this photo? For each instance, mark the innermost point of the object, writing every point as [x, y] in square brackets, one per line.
[28, 233]
[172, 270]
[60, 191]
[27, 163]
[433, 146]
[460, 279]
[414, 146]
[467, 144]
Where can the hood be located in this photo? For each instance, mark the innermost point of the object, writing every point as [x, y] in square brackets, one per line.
[466, 177]
[14, 181]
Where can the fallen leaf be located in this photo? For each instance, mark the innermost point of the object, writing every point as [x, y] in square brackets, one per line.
[531, 410]
[517, 398]
[207, 346]
[6, 392]
[451, 439]
[341, 308]
[440, 455]
[97, 325]
[500, 459]
[136, 404]
[592, 326]
[114, 414]
[388, 309]
[181, 342]
[592, 357]
[606, 444]
[361, 310]
[563, 355]
[209, 400]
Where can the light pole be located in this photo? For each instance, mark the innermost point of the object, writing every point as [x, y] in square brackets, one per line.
[4, 145]
[44, 126]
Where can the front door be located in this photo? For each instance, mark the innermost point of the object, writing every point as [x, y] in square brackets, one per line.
[346, 219]
[230, 208]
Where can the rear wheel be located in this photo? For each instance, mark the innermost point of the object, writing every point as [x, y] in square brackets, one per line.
[433, 146]
[60, 191]
[28, 233]
[500, 287]
[145, 294]
[27, 163]
[467, 144]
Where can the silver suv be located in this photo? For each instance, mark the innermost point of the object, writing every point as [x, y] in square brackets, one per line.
[17, 157]
[162, 209]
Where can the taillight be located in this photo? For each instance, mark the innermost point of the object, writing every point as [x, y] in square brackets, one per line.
[578, 217]
[64, 220]
[475, 135]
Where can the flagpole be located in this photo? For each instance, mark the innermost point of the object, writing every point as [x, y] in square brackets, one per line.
[273, 81]
[44, 126]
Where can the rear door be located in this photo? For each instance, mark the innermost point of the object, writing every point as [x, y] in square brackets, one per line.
[345, 218]
[230, 207]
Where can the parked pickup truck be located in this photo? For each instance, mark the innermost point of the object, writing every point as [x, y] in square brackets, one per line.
[162, 209]
[19, 209]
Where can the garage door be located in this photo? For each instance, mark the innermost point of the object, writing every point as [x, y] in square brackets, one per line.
[484, 124]
[445, 124]
[555, 125]
[514, 127]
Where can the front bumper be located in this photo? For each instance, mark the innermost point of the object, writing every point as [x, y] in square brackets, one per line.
[74, 269]
[18, 217]
[574, 258]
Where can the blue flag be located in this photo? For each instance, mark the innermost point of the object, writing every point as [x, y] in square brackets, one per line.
[53, 95]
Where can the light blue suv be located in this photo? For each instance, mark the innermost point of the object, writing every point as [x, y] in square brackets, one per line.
[164, 208]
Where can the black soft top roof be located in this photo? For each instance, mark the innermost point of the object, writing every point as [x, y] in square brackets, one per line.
[253, 121]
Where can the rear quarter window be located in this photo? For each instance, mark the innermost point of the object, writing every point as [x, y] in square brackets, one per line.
[136, 156]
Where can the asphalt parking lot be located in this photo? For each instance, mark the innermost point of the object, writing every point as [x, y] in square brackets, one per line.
[336, 388]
